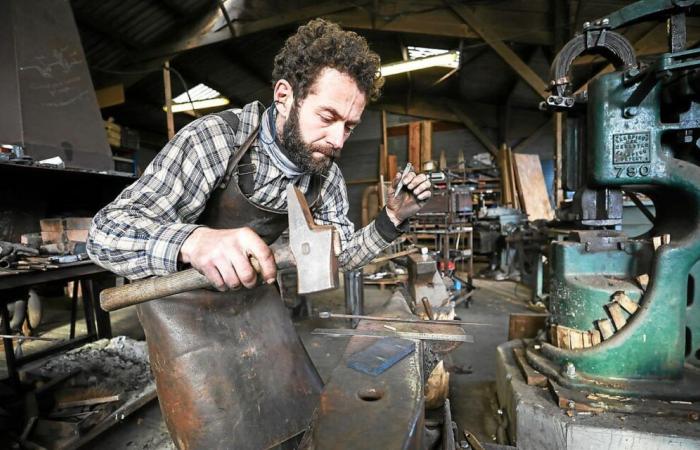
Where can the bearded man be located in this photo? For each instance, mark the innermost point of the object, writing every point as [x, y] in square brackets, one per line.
[229, 367]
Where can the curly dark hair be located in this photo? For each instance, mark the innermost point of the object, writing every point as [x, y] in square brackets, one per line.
[322, 44]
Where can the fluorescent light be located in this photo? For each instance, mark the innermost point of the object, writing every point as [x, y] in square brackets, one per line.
[198, 104]
[201, 97]
[448, 59]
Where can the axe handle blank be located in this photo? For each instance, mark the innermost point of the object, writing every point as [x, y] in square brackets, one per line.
[153, 288]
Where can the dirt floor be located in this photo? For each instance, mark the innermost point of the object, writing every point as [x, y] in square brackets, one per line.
[472, 386]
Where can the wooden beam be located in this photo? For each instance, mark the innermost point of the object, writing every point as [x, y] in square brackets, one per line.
[474, 128]
[242, 29]
[506, 53]
[168, 100]
[426, 142]
[414, 144]
[400, 18]
[384, 149]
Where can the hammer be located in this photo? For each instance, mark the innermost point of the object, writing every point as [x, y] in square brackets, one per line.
[311, 248]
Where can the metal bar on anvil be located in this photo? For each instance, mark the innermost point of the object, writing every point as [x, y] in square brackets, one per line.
[330, 315]
[339, 332]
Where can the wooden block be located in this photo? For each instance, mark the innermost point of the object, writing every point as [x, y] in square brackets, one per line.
[595, 337]
[52, 237]
[52, 225]
[606, 328]
[532, 376]
[617, 315]
[563, 337]
[525, 326]
[658, 241]
[643, 280]
[627, 303]
[77, 235]
[576, 339]
[553, 336]
[78, 223]
[587, 342]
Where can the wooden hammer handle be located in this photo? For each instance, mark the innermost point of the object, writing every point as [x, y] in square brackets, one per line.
[153, 288]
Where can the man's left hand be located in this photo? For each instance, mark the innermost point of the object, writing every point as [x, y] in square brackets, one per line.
[413, 195]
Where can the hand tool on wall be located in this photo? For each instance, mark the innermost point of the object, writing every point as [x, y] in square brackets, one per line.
[312, 249]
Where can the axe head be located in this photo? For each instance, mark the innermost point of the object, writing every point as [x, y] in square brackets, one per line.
[313, 246]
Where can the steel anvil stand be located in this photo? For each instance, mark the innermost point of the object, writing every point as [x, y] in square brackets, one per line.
[618, 365]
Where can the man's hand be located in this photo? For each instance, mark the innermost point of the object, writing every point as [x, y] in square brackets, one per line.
[223, 257]
[413, 195]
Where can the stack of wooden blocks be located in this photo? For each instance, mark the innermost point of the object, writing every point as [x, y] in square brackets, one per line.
[64, 233]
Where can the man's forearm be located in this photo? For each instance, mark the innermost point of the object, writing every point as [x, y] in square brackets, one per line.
[365, 244]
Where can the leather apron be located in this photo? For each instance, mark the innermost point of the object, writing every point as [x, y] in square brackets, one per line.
[230, 369]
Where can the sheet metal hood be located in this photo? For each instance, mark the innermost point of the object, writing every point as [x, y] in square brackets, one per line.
[48, 103]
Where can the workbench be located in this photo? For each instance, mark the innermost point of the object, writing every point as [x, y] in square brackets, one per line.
[15, 283]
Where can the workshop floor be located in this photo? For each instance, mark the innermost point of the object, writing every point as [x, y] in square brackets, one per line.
[473, 367]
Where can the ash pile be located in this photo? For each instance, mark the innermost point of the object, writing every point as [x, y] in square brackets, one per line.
[119, 365]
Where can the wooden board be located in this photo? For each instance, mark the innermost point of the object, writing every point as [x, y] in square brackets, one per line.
[532, 376]
[413, 145]
[531, 184]
[525, 326]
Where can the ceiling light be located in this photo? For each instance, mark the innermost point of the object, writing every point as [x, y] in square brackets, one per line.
[448, 59]
[198, 97]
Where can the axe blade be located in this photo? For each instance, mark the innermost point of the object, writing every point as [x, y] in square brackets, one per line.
[311, 245]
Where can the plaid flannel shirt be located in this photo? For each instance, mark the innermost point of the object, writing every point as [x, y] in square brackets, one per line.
[141, 232]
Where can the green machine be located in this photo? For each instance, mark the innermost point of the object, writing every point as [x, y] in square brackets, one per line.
[620, 353]
[625, 311]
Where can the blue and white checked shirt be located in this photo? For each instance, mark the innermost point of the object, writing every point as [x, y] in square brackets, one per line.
[140, 233]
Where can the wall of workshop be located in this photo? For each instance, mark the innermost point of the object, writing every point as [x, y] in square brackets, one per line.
[359, 160]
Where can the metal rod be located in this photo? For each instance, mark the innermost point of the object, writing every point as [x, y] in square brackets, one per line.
[27, 338]
[330, 315]
[642, 207]
[342, 332]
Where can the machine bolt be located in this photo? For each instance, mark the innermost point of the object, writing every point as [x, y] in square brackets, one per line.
[633, 72]
[606, 21]
[463, 444]
[630, 111]
[571, 404]
[569, 370]
[586, 25]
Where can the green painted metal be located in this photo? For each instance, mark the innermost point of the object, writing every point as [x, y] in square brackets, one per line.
[639, 149]
[583, 282]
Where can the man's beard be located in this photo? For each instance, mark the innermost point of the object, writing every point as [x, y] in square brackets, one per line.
[299, 152]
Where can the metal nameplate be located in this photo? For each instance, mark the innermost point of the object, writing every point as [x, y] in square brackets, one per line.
[632, 148]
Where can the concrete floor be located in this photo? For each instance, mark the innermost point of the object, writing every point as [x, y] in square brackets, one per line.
[472, 385]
